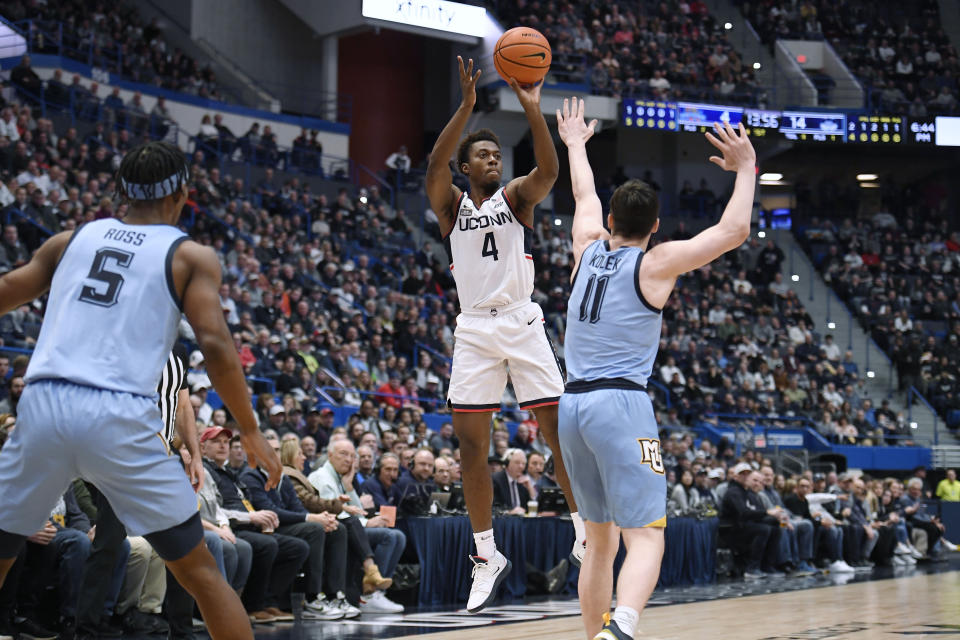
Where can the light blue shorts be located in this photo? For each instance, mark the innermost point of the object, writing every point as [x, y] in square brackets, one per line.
[611, 450]
[65, 431]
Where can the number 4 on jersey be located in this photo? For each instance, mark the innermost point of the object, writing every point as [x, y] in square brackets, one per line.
[490, 247]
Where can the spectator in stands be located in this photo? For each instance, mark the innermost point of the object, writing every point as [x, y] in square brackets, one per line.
[382, 487]
[753, 531]
[948, 489]
[827, 531]
[57, 554]
[370, 539]
[508, 493]
[918, 517]
[798, 533]
[365, 463]
[26, 80]
[416, 487]
[144, 586]
[8, 406]
[399, 164]
[276, 557]
[685, 495]
[237, 552]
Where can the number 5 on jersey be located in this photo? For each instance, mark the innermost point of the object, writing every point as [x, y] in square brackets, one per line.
[490, 247]
[101, 274]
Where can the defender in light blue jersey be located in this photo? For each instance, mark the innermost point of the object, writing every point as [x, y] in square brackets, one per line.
[116, 291]
[608, 431]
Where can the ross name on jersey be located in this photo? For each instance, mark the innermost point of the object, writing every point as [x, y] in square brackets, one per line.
[606, 263]
[472, 223]
[122, 235]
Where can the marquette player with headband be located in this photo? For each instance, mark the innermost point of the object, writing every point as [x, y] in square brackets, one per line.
[608, 432]
[488, 233]
[116, 291]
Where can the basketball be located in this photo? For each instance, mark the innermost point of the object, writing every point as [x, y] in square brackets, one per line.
[522, 53]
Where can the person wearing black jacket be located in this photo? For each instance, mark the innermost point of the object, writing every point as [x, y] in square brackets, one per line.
[276, 557]
[825, 530]
[327, 539]
[754, 532]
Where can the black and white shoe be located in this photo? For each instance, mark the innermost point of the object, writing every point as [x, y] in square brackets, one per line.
[487, 576]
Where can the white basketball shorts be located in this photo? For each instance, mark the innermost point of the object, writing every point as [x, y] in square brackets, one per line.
[489, 343]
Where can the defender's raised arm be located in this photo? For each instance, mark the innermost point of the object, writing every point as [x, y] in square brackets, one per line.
[669, 260]
[588, 215]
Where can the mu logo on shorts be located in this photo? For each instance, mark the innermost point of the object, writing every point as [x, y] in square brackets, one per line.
[651, 454]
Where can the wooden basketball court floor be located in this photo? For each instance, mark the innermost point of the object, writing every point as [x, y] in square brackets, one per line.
[887, 604]
[914, 607]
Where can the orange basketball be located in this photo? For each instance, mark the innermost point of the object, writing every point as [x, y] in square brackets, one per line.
[522, 53]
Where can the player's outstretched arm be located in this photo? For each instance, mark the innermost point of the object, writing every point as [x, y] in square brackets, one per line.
[30, 281]
[588, 215]
[200, 269]
[440, 189]
[667, 261]
[528, 191]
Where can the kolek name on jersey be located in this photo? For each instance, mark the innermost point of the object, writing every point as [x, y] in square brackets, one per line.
[474, 223]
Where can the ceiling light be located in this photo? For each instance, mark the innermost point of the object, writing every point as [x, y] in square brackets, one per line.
[866, 177]
[761, 234]
[756, 65]
[728, 25]
[771, 176]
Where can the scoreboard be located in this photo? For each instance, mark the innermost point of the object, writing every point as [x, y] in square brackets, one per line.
[800, 126]
[650, 114]
[883, 129]
[822, 127]
[702, 117]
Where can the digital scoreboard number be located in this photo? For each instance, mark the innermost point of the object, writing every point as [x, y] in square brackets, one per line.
[808, 126]
[761, 124]
[650, 114]
[875, 129]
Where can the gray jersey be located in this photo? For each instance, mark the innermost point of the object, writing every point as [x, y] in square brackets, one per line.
[112, 312]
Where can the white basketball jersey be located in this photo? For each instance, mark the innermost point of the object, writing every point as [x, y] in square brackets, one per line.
[489, 251]
[113, 312]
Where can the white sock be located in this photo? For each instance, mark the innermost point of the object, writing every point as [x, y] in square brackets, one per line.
[627, 619]
[486, 546]
[578, 529]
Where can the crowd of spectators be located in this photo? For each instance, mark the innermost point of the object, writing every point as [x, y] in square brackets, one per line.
[112, 36]
[898, 51]
[737, 342]
[899, 273]
[672, 50]
[341, 312]
[777, 525]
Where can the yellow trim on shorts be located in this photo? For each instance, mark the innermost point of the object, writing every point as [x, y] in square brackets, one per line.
[166, 445]
[660, 523]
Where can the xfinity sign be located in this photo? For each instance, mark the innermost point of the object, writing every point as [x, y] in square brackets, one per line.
[441, 15]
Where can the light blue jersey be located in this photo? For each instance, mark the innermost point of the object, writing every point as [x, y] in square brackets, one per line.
[607, 427]
[111, 320]
[111, 274]
[612, 331]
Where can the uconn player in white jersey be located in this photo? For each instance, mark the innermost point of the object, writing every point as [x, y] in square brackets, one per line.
[487, 232]
[607, 427]
[117, 288]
